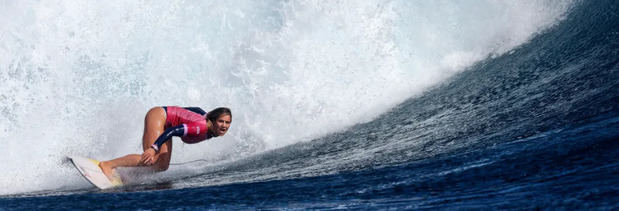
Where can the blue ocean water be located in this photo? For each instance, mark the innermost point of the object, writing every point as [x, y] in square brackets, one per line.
[537, 127]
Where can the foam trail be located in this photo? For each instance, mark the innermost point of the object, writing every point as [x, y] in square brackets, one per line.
[77, 77]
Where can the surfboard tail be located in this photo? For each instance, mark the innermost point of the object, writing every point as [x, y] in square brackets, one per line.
[116, 179]
[89, 168]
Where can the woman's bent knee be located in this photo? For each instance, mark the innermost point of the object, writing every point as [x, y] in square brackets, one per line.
[162, 166]
[163, 163]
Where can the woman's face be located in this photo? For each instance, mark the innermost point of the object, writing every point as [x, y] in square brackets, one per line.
[221, 125]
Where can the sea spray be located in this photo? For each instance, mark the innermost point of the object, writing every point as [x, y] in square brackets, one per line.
[78, 77]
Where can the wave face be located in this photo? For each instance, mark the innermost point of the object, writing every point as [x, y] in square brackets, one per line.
[543, 114]
[78, 77]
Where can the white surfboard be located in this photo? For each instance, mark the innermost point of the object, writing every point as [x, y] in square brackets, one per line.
[89, 168]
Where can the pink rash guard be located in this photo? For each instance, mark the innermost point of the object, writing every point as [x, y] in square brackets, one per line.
[193, 123]
[189, 123]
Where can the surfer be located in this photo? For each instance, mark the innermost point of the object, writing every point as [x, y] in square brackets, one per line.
[192, 124]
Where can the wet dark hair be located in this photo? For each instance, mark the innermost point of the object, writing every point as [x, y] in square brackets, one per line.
[216, 113]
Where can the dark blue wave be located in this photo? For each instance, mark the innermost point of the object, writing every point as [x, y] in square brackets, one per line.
[537, 127]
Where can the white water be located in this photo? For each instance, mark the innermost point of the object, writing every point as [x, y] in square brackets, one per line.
[77, 77]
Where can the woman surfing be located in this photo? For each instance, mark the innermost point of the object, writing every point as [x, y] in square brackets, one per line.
[192, 124]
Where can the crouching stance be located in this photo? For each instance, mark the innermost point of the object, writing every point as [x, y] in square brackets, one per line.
[192, 124]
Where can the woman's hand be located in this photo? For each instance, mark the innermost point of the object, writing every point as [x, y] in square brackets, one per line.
[148, 157]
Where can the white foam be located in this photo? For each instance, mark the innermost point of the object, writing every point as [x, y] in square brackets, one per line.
[77, 77]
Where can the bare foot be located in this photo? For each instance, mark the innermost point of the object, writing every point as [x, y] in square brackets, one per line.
[107, 170]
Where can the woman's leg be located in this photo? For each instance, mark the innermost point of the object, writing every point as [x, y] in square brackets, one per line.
[152, 131]
[154, 125]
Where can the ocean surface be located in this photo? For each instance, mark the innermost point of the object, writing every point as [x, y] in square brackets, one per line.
[336, 105]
